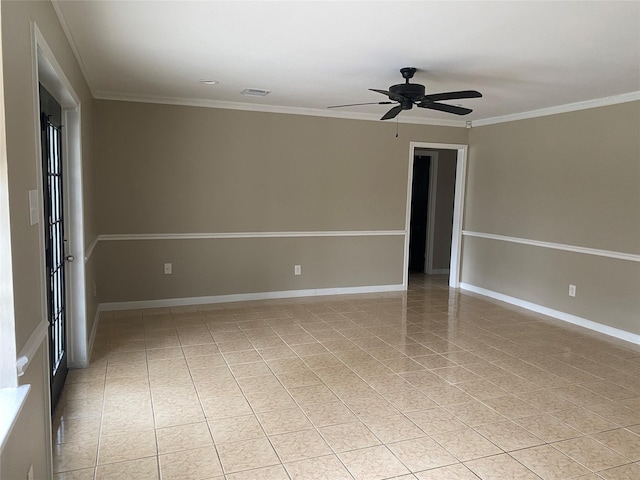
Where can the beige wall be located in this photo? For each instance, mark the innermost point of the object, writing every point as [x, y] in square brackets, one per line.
[572, 179]
[28, 444]
[175, 169]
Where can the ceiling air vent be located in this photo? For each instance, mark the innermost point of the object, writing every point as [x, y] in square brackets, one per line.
[256, 92]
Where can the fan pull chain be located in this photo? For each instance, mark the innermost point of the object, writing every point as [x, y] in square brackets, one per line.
[396, 127]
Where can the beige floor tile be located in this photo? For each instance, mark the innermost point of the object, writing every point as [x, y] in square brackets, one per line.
[616, 413]
[275, 472]
[225, 406]
[410, 400]
[450, 472]
[481, 389]
[584, 420]
[74, 455]
[421, 454]
[590, 453]
[183, 437]
[623, 441]
[197, 464]
[393, 428]
[500, 467]
[549, 463]
[128, 446]
[342, 351]
[84, 474]
[512, 407]
[247, 455]
[253, 369]
[313, 394]
[76, 430]
[299, 445]
[319, 468]
[323, 414]
[508, 436]
[466, 444]
[546, 401]
[436, 420]
[284, 421]
[625, 472]
[233, 429]
[548, 428]
[141, 469]
[475, 413]
[579, 396]
[348, 436]
[373, 463]
[126, 424]
[267, 402]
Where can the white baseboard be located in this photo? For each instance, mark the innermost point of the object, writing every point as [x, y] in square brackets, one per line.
[243, 297]
[566, 317]
[90, 342]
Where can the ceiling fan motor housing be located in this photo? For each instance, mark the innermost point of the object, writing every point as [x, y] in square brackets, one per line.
[413, 92]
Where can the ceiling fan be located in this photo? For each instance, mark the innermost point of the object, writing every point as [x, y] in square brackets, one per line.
[406, 95]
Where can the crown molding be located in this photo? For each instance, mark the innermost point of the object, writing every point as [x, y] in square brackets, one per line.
[72, 43]
[570, 107]
[251, 107]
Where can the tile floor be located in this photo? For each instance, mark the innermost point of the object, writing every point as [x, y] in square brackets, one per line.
[431, 384]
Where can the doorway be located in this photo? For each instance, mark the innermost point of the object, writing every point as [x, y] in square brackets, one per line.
[54, 239]
[459, 152]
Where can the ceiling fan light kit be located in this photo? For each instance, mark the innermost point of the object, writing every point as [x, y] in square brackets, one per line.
[407, 94]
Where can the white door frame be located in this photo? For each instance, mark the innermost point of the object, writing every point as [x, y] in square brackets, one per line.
[458, 208]
[47, 70]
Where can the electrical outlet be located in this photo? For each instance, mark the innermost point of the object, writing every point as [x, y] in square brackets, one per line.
[297, 270]
[95, 289]
[168, 269]
[572, 290]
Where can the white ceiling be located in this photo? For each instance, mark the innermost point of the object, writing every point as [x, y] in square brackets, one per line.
[523, 56]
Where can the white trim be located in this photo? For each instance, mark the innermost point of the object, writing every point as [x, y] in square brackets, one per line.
[72, 43]
[631, 257]
[85, 362]
[455, 264]
[432, 205]
[89, 250]
[565, 317]
[31, 347]
[199, 236]
[243, 297]
[11, 402]
[253, 107]
[571, 107]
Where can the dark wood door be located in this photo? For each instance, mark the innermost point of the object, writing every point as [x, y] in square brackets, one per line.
[54, 238]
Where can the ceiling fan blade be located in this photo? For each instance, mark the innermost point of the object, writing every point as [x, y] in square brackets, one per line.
[392, 113]
[357, 104]
[391, 95]
[445, 108]
[436, 97]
